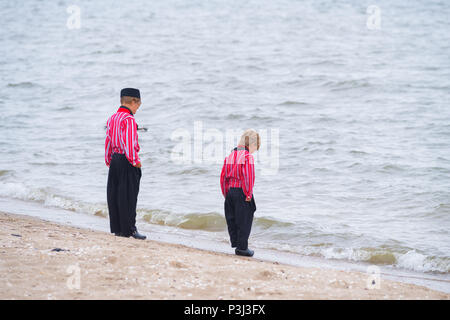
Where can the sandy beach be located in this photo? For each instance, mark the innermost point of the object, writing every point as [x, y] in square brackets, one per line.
[87, 264]
[44, 260]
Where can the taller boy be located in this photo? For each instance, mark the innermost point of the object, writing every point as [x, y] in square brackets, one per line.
[121, 156]
[236, 181]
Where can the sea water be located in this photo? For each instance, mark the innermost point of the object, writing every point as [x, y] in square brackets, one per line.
[352, 100]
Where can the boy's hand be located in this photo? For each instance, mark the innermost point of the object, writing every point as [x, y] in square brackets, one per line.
[138, 165]
[248, 199]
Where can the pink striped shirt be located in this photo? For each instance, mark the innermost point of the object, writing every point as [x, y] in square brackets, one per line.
[238, 171]
[122, 137]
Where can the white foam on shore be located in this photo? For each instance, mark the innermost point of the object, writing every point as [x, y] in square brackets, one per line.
[418, 262]
[20, 191]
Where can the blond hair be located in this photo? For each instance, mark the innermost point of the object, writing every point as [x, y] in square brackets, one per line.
[250, 137]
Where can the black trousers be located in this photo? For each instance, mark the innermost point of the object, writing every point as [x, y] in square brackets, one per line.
[122, 193]
[239, 217]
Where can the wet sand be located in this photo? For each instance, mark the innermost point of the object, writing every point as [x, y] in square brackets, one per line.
[98, 265]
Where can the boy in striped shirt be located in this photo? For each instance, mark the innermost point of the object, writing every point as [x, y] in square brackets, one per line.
[236, 181]
[122, 158]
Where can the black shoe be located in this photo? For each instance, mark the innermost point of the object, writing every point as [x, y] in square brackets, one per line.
[245, 253]
[138, 236]
[118, 234]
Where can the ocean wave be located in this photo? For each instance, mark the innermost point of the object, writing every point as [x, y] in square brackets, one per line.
[190, 171]
[358, 153]
[262, 118]
[292, 103]
[238, 116]
[266, 223]
[396, 257]
[416, 261]
[26, 84]
[42, 195]
[390, 167]
[346, 84]
[210, 221]
[5, 173]
[235, 116]
[265, 228]
[442, 209]
[194, 221]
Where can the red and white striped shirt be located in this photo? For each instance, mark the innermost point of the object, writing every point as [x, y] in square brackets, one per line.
[122, 137]
[238, 171]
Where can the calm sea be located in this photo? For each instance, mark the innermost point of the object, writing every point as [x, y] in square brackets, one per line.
[354, 100]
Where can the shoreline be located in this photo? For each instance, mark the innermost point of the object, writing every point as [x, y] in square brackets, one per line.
[124, 268]
[210, 242]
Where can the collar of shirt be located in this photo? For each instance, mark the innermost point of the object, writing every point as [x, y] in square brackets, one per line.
[240, 147]
[124, 109]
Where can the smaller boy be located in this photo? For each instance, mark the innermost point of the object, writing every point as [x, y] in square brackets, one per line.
[236, 181]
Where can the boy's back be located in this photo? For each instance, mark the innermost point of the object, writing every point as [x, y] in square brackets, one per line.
[236, 181]
[238, 172]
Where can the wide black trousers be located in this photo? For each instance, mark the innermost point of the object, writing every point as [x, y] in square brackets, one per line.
[239, 217]
[122, 193]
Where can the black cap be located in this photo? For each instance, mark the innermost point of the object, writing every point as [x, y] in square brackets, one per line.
[130, 92]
